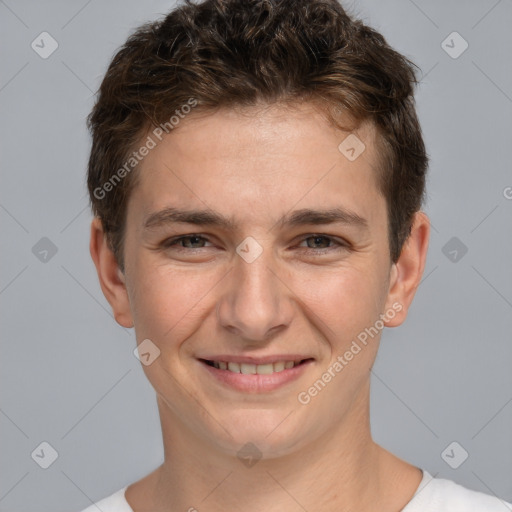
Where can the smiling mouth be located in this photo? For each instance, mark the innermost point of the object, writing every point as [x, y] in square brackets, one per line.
[255, 369]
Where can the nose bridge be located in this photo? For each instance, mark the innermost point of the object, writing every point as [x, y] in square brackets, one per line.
[255, 302]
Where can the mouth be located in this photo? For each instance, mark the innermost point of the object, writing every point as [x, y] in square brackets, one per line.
[252, 375]
[250, 368]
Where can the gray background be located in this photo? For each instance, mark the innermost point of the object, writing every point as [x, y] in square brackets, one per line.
[68, 374]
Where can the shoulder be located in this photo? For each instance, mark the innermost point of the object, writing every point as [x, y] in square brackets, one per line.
[440, 495]
[114, 503]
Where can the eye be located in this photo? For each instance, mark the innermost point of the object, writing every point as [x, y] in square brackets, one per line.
[314, 244]
[318, 242]
[323, 243]
[186, 242]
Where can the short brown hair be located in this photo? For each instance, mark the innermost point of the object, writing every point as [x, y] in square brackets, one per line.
[236, 53]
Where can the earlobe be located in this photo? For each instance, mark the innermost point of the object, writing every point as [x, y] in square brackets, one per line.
[406, 273]
[111, 278]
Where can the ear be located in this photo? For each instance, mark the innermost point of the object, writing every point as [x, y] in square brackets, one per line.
[406, 273]
[111, 278]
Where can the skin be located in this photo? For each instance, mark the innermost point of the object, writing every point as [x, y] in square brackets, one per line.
[200, 297]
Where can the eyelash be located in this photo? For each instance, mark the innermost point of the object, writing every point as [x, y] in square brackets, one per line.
[172, 243]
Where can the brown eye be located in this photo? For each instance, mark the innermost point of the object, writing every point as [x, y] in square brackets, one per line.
[186, 242]
[193, 242]
[318, 245]
[318, 242]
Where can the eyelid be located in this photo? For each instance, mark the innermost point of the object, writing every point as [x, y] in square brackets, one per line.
[172, 241]
[339, 242]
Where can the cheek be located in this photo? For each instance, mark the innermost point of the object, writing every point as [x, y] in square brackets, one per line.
[166, 302]
[344, 300]
[170, 303]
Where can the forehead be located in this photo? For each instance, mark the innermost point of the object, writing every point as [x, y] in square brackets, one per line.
[260, 160]
[266, 133]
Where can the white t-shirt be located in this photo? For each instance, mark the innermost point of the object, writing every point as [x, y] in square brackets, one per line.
[432, 495]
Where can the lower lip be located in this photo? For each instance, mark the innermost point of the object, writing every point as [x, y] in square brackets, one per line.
[256, 383]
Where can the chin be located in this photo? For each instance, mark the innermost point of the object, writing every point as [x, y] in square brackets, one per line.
[267, 433]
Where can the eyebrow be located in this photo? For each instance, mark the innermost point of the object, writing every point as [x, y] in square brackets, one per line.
[301, 217]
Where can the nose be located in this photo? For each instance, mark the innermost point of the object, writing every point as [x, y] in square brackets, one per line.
[255, 303]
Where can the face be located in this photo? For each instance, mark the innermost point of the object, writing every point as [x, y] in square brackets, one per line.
[251, 238]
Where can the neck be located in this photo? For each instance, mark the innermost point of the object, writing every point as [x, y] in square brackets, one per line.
[340, 470]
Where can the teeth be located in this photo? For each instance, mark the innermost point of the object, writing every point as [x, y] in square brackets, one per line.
[234, 367]
[265, 369]
[252, 369]
[247, 369]
[279, 367]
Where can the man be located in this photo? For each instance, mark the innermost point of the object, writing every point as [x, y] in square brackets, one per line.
[257, 174]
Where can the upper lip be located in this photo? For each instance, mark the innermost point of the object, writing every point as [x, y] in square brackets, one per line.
[256, 360]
